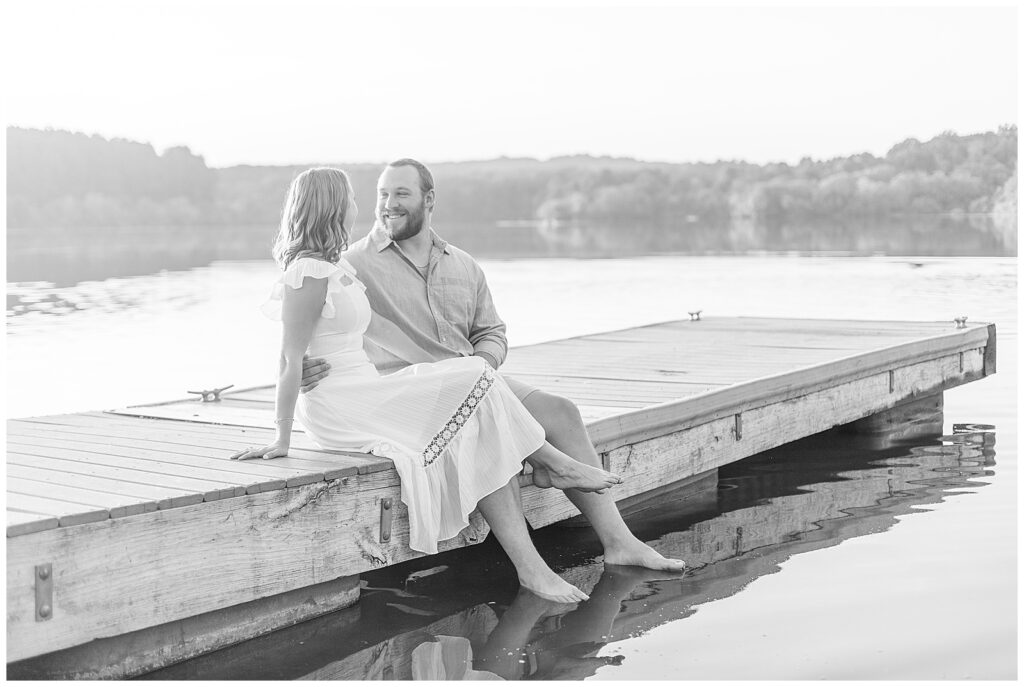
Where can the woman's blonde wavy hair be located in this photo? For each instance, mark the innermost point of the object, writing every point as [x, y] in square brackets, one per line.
[313, 218]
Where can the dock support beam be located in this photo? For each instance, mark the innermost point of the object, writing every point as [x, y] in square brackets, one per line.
[915, 418]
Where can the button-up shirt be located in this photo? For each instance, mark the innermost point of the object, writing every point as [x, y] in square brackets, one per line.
[448, 313]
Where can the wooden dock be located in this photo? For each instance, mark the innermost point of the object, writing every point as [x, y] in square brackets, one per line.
[738, 535]
[134, 524]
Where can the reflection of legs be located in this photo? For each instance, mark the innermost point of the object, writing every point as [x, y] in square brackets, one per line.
[504, 514]
[506, 645]
[587, 629]
[564, 428]
[591, 622]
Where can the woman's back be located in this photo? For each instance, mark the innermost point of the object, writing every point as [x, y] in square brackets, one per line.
[338, 334]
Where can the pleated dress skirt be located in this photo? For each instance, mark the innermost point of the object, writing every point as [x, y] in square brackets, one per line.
[454, 430]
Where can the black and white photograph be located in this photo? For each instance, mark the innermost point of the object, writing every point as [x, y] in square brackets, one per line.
[546, 341]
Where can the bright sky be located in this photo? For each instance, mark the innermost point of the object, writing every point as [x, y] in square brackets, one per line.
[302, 81]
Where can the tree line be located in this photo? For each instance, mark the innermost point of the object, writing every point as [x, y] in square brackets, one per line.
[60, 179]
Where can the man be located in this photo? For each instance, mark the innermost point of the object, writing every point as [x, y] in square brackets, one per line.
[431, 302]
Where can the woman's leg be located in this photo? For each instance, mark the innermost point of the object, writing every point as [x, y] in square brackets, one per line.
[564, 429]
[503, 513]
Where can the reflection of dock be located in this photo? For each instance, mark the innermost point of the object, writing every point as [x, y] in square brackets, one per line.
[150, 532]
[773, 510]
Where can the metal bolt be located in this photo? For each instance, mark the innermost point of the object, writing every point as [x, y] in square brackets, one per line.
[387, 505]
[44, 573]
[45, 610]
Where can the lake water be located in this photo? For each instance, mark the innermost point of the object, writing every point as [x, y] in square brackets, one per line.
[834, 557]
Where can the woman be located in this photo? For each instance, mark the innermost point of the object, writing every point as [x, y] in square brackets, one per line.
[457, 434]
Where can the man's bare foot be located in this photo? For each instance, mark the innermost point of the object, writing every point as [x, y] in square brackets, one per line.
[548, 585]
[572, 474]
[541, 478]
[639, 553]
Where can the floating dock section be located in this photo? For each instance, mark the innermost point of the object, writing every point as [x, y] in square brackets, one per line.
[134, 542]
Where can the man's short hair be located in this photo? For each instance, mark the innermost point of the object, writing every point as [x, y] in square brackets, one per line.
[426, 178]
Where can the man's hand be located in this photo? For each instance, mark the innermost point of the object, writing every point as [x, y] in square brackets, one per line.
[488, 357]
[313, 370]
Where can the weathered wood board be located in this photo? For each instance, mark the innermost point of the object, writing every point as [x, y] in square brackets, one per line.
[145, 520]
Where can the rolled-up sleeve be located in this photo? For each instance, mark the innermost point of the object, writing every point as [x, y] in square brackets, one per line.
[487, 332]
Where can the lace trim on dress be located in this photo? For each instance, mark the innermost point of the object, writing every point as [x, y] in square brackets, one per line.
[338, 276]
[441, 440]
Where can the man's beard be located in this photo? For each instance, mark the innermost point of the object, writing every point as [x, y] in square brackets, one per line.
[413, 224]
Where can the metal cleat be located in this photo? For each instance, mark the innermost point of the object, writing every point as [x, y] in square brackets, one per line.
[695, 315]
[961, 322]
[211, 395]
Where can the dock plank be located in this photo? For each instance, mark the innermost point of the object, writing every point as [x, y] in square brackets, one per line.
[190, 490]
[306, 457]
[225, 414]
[117, 505]
[594, 413]
[220, 486]
[67, 513]
[115, 422]
[206, 446]
[213, 464]
[19, 522]
[108, 484]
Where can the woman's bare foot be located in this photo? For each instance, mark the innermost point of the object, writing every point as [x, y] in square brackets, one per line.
[639, 553]
[571, 474]
[548, 585]
[530, 607]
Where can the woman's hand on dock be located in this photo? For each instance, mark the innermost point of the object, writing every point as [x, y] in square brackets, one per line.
[275, 450]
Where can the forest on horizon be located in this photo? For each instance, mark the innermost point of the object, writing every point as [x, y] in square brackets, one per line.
[64, 180]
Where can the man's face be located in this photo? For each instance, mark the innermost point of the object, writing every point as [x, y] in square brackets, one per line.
[401, 206]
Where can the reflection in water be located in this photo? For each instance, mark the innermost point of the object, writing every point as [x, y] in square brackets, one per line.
[911, 235]
[77, 254]
[69, 256]
[37, 301]
[459, 615]
[33, 300]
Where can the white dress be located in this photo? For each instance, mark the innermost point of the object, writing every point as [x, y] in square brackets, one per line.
[454, 430]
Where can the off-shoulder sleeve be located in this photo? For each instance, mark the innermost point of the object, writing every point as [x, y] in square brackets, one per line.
[338, 276]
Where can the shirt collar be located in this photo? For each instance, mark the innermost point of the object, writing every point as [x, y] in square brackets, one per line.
[381, 240]
[439, 242]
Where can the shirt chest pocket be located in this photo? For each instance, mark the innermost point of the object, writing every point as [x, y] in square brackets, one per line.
[458, 297]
